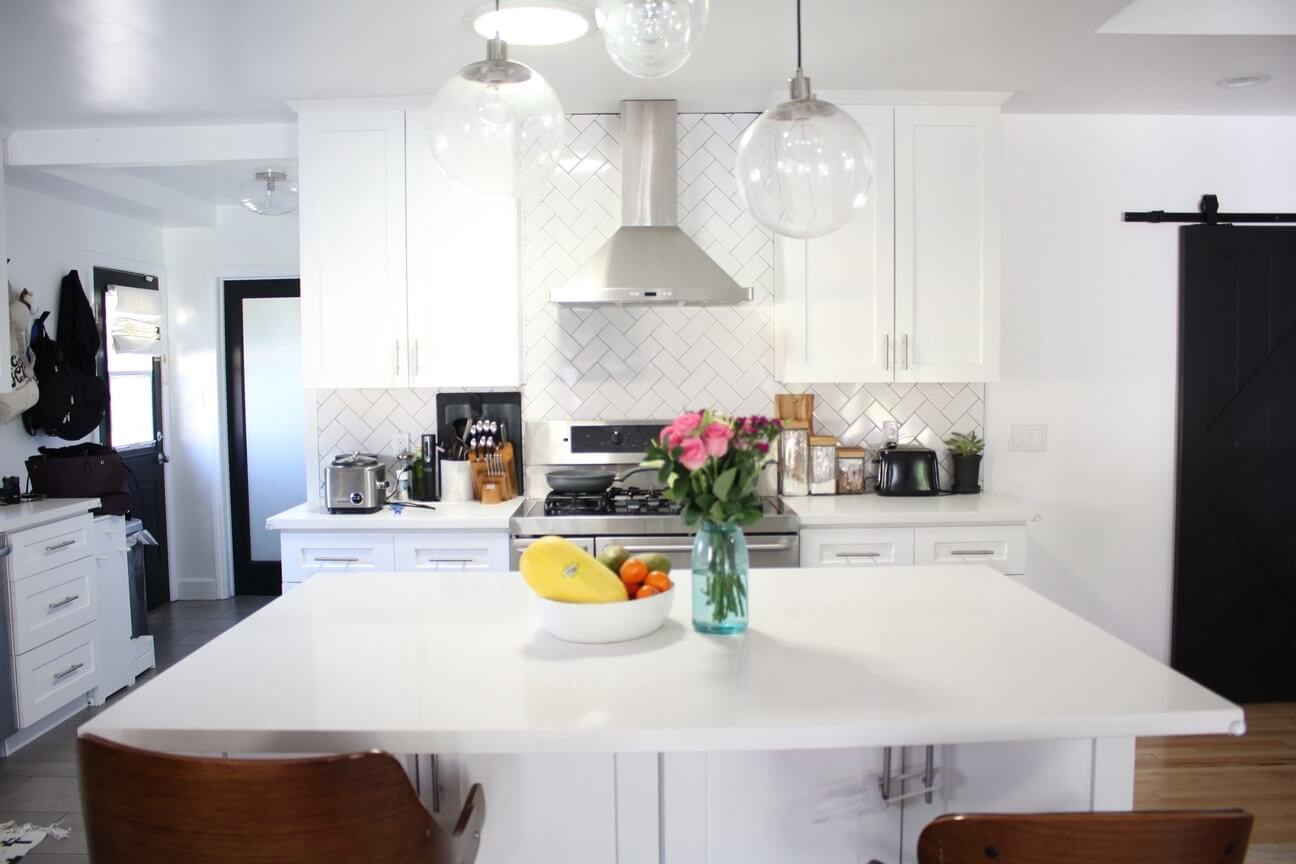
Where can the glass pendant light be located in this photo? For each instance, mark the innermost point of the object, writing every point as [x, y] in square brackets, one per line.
[498, 125]
[269, 193]
[805, 165]
[651, 38]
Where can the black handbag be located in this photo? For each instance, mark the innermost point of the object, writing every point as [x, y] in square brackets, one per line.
[82, 471]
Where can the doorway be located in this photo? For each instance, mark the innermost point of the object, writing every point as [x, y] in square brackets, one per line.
[1235, 563]
[266, 421]
[130, 311]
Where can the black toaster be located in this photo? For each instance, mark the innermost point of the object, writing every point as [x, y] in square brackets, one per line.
[908, 471]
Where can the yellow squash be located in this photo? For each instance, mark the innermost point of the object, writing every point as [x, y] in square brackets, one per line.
[558, 570]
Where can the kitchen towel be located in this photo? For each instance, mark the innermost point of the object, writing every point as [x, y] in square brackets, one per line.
[17, 840]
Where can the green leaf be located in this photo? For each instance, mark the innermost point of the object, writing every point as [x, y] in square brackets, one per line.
[724, 484]
[717, 512]
[747, 517]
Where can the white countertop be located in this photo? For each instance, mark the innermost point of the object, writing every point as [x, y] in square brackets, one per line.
[448, 516]
[28, 514]
[841, 511]
[851, 657]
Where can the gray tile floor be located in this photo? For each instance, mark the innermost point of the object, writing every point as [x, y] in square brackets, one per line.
[38, 784]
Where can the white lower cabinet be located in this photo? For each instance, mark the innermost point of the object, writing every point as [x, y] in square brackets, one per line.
[541, 807]
[305, 553]
[50, 676]
[1000, 546]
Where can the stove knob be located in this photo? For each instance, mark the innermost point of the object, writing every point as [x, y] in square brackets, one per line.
[616, 436]
[356, 498]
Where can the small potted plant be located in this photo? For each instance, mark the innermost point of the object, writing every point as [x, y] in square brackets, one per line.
[966, 450]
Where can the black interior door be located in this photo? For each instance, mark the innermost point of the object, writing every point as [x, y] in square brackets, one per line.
[1235, 557]
[133, 423]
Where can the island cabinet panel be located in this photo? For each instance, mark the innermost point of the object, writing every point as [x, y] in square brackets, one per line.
[776, 807]
[1014, 777]
[559, 807]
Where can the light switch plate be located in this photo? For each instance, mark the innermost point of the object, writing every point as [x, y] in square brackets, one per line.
[1025, 438]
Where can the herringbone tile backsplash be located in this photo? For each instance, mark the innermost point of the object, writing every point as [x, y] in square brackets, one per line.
[637, 362]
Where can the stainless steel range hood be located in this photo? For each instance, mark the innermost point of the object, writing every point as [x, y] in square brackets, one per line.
[649, 260]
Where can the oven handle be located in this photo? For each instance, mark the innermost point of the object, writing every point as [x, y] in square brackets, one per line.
[781, 546]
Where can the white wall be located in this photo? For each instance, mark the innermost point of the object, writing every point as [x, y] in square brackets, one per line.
[242, 245]
[47, 238]
[1089, 343]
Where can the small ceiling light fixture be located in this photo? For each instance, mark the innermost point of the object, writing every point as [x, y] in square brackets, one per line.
[1237, 81]
[805, 165]
[269, 193]
[531, 22]
[651, 38]
[498, 125]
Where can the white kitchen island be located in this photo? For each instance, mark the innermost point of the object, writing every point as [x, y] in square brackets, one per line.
[690, 748]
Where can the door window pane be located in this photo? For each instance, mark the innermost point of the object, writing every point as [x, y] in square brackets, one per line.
[130, 384]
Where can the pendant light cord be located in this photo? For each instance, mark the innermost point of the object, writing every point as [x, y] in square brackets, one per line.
[798, 16]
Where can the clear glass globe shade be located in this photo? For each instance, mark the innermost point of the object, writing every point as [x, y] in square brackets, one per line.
[803, 168]
[269, 195]
[497, 128]
[651, 38]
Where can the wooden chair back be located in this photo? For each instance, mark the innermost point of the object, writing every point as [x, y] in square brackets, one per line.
[1179, 836]
[143, 807]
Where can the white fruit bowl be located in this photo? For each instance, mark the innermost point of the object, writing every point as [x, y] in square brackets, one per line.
[600, 623]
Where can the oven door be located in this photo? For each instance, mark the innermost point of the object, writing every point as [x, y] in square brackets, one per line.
[765, 550]
[519, 545]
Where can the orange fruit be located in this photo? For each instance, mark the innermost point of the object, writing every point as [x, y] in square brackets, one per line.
[659, 580]
[633, 572]
[646, 591]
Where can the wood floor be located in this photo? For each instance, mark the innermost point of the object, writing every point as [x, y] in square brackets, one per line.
[1256, 772]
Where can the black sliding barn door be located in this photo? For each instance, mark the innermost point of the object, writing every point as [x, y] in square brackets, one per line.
[1235, 556]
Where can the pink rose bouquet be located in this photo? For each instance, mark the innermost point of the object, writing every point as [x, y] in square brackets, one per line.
[710, 462]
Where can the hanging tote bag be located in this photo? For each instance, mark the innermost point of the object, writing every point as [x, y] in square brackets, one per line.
[23, 391]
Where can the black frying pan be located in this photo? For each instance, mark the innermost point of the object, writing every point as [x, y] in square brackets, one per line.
[590, 480]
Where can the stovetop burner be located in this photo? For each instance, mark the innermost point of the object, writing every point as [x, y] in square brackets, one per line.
[617, 501]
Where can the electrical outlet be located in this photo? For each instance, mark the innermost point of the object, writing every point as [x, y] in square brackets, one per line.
[1028, 438]
[890, 431]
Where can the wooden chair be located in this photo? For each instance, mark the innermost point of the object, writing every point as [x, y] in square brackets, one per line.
[1148, 837]
[143, 807]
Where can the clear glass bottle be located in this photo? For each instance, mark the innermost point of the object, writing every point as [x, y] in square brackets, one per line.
[720, 566]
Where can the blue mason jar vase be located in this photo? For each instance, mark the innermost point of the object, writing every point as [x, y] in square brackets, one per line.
[720, 568]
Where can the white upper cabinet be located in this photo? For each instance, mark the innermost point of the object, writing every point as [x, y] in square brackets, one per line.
[835, 304]
[947, 243]
[464, 285]
[908, 290]
[352, 172]
[407, 280]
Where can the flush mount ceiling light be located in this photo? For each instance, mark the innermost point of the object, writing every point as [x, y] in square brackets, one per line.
[269, 193]
[497, 125]
[531, 22]
[805, 165]
[1244, 80]
[651, 38]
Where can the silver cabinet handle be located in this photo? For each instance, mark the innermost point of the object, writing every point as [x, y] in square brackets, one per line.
[859, 554]
[781, 546]
[929, 772]
[418, 366]
[59, 604]
[886, 351]
[325, 560]
[973, 552]
[905, 341]
[886, 773]
[398, 357]
[57, 546]
[59, 676]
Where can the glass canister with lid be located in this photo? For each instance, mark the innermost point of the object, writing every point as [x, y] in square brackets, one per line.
[823, 465]
[794, 458]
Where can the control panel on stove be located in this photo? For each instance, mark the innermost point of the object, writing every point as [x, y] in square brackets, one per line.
[623, 438]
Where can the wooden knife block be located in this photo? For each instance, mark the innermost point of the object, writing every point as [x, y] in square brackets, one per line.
[490, 489]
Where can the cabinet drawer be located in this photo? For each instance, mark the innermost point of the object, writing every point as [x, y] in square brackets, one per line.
[856, 547]
[47, 546]
[451, 552]
[1001, 546]
[52, 603]
[50, 676]
[306, 554]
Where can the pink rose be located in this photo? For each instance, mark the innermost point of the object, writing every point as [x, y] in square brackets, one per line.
[716, 438]
[686, 424]
[694, 453]
[668, 438]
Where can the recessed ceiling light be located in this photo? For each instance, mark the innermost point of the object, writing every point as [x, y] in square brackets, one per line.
[531, 22]
[1243, 80]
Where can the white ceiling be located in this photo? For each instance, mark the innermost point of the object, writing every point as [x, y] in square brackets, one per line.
[70, 63]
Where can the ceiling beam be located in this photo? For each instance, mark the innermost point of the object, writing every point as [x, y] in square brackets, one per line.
[123, 147]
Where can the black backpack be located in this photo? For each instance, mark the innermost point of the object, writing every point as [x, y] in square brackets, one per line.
[71, 403]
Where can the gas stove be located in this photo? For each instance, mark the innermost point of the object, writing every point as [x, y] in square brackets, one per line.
[638, 517]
